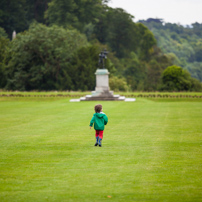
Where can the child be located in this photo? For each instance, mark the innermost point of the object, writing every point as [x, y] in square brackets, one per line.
[99, 120]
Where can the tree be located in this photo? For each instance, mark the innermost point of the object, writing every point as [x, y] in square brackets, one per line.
[135, 72]
[197, 28]
[117, 29]
[184, 43]
[174, 78]
[195, 70]
[154, 72]
[71, 13]
[19, 14]
[38, 56]
[3, 33]
[146, 42]
[61, 13]
[4, 43]
[13, 16]
[120, 32]
[35, 10]
[198, 52]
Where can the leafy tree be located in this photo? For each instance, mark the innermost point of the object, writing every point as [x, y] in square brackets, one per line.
[198, 52]
[19, 14]
[71, 13]
[146, 75]
[4, 42]
[35, 10]
[117, 29]
[61, 12]
[91, 12]
[154, 72]
[174, 78]
[135, 72]
[197, 28]
[146, 42]
[156, 20]
[38, 56]
[3, 33]
[195, 69]
[13, 16]
[120, 32]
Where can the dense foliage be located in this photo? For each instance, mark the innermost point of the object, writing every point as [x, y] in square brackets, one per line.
[38, 56]
[3, 45]
[183, 44]
[58, 43]
[175, 78]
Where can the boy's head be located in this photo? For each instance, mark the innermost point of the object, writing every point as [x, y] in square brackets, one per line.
[98, 108]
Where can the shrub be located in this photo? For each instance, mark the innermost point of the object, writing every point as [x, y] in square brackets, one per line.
[174, 78]
[118, 84]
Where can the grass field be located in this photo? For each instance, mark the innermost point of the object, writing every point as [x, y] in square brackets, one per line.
[152, 151]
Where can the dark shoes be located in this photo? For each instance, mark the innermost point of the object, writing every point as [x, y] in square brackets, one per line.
[96, 144]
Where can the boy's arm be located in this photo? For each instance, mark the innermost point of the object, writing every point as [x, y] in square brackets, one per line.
[105, 120]
[92, 122]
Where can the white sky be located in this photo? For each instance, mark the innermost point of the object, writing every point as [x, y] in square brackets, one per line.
[184, 12]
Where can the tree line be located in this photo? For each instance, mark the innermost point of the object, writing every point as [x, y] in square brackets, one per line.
[58, 43]
[182, 43]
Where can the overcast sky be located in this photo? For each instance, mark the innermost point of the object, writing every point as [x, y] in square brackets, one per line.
[184, 12]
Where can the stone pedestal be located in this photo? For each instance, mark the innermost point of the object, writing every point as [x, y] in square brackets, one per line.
[102, 80]
[102, 90]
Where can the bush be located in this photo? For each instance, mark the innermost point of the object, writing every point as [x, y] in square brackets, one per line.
[174, 78]
[118, 84]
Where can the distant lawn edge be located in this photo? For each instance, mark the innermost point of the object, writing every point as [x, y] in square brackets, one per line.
[81, 94]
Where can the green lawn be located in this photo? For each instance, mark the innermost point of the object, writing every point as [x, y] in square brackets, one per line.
[152, 151]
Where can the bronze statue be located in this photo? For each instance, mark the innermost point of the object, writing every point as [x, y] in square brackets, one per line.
[102, 56]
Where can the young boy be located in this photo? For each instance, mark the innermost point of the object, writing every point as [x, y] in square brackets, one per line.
[99, 120]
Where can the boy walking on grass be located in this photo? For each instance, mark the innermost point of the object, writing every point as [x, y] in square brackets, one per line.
[99, 120]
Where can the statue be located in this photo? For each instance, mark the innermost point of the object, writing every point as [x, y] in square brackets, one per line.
[102, 56]
[102, 91]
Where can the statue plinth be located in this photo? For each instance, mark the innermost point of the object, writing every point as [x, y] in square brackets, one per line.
[102, 84]
[102, 80]
[102, 91]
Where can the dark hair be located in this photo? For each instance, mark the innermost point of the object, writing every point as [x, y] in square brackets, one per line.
[98, 108]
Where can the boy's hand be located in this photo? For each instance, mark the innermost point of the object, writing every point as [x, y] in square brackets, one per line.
[90, 127]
